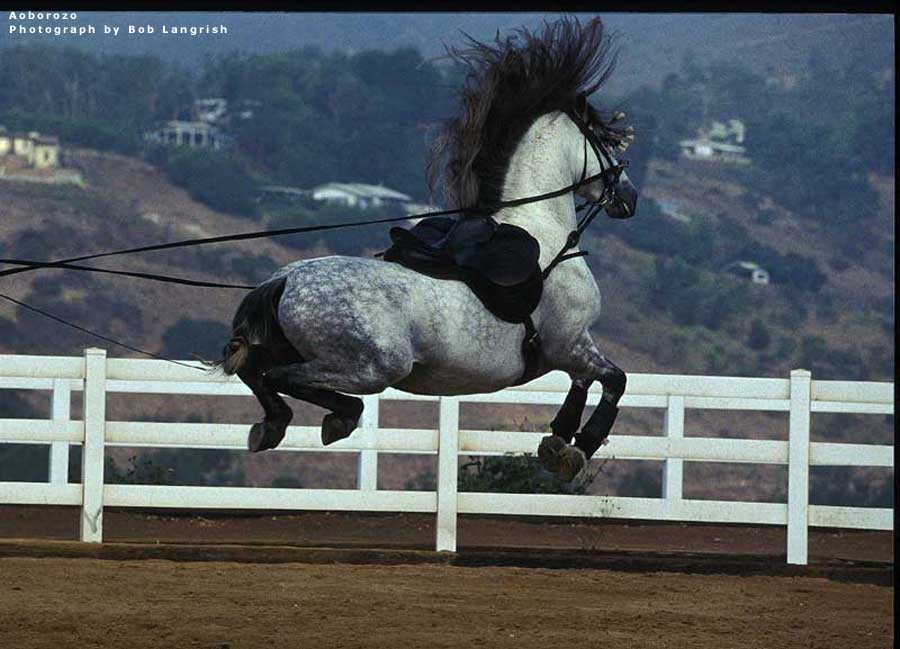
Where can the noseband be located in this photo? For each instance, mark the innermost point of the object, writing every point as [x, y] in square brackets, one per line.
[610, 173]
[610, 170]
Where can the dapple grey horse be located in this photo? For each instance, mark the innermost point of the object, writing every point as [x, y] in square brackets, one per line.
[323, 329]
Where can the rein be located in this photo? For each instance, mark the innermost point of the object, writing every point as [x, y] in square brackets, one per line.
[610, 172]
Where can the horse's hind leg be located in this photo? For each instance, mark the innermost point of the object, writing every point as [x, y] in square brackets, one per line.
[270, 431]
[295, 379]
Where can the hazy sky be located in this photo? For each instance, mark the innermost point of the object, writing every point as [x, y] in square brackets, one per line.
[652, 44]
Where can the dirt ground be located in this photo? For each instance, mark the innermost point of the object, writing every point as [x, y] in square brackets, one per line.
[316, 579]
[52, 602]
[416, 531]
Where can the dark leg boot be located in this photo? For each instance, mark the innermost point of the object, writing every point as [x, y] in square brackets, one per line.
[568, 419]
[597, 428]
[552, 451]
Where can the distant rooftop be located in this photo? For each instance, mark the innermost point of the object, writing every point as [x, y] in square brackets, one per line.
[363, 190]
[746, 265]
[283, 189]
[712, 144]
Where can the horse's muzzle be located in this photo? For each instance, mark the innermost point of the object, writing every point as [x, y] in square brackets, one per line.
[624, 200]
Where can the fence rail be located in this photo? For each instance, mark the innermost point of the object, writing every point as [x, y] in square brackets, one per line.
[95, 376]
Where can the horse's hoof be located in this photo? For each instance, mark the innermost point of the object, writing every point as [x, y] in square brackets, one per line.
[264, 435]
[548, 452]
[558, 457]
[571, 462]
[335, 427]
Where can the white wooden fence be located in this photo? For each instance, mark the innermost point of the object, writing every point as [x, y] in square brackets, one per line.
[96, 376]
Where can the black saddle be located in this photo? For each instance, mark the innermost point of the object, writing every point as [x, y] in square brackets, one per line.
[499, 262]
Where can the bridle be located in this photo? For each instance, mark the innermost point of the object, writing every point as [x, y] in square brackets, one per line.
[610, 173]
[610, 170]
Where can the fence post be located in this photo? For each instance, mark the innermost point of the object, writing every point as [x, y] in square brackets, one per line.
[448, 459]
[368, 460]
[673, 470]
[94, 437]
[60, 412]
[798, 468]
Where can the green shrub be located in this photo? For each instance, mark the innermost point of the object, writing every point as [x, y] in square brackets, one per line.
[140, 470]
[191, 467]
[288, 482]
[424, 481]
[521, 474]
[21, 462]
[79, 131]
[510, 473]
[692, 297]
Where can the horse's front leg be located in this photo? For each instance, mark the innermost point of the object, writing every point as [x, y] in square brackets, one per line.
[586, 364]
[568, 419]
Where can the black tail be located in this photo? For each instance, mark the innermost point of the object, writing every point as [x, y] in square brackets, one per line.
[255, 323]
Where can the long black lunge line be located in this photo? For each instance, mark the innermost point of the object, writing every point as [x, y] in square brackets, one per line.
[126, 273]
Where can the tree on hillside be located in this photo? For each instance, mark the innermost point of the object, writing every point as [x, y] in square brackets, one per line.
[215, 178]
[104, 101]
[759, 337]
[335, 117]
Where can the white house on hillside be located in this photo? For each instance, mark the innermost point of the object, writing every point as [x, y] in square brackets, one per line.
[192, 134]
[720, 142]
[359, 195]
[38, 151]
[750, 270]
[706, 149]
[210, 110]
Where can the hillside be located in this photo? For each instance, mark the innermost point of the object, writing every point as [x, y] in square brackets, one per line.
[126, 202]
[846, 327]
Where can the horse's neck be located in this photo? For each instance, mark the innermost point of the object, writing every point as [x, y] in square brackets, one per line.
[538, 166]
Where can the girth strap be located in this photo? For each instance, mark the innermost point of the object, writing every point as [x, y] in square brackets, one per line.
[531, 351]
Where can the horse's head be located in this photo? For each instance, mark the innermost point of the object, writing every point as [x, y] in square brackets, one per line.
[603, 178]
[510, 85]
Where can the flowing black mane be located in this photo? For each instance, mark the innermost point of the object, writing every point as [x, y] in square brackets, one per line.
[508, 85]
